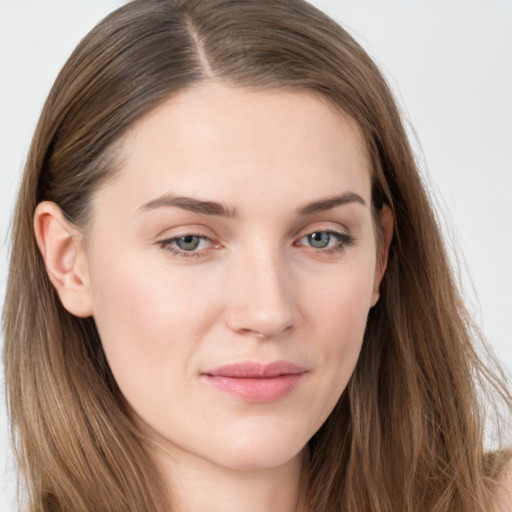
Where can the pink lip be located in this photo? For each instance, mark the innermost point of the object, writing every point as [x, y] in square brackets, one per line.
[255, 382]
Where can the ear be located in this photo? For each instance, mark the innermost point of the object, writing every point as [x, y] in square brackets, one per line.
[387, 221]
[61, 246]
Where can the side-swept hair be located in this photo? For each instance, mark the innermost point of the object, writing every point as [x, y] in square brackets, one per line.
[407, 433]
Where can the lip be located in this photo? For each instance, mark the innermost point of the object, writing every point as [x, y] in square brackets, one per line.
[256, 382]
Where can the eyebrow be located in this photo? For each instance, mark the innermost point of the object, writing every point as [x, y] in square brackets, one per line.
[332, 202]
[219, 209]
[190, 204]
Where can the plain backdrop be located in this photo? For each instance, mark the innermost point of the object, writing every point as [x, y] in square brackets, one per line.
[450, 65]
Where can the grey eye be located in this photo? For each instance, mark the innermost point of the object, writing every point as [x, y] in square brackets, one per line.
[319, 240]
[188, 242]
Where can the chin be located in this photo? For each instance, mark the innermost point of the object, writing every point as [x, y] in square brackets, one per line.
[251, 455]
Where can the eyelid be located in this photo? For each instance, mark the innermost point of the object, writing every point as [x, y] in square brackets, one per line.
[167, 243]
[184, 229]
[344, 239]
[317, 227]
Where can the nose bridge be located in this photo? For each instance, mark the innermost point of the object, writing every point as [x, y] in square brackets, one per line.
[260, 292]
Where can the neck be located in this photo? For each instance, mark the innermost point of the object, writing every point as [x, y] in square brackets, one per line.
[197, 485]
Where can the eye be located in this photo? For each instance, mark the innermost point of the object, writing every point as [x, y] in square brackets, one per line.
[188, 242]
[319, 240]
[326, 240]
[187, 245]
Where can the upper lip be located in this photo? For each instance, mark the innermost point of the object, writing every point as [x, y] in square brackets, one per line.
[255, 370]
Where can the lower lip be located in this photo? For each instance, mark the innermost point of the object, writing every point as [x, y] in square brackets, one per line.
[259, 390]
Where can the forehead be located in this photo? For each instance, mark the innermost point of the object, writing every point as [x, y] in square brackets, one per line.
[231, 143]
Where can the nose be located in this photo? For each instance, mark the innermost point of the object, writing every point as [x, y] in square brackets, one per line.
[260, 295]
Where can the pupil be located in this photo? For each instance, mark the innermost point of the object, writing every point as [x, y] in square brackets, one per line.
[319, 240]
[188, 243]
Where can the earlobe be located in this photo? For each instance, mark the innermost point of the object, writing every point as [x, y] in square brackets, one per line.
[61, 247]
[387, 220]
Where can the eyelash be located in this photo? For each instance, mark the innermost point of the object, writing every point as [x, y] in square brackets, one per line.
[167, 245]
[344, 240]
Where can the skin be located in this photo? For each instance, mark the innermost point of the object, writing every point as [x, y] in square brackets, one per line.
[255, 288]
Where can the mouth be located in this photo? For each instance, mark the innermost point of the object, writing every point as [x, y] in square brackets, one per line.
[255, 382]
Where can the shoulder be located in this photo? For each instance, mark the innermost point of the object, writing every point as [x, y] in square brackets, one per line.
[504, 491]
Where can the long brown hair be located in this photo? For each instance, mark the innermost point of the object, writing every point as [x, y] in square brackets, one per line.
[406, 435]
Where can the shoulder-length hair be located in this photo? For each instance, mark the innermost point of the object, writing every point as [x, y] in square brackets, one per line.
[407, 433]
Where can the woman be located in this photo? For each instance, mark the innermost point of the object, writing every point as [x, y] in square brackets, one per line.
[222, 295]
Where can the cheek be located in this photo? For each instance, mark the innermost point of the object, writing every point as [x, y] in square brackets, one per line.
[340, 302]
[150, 321]
[339, 311]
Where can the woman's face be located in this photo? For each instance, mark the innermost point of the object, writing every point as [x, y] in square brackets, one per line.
[232, 264]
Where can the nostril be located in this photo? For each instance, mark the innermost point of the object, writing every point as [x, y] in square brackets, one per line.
[260, 334]
[255, 333]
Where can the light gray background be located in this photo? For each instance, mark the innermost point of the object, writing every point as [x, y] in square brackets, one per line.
[450, 64]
